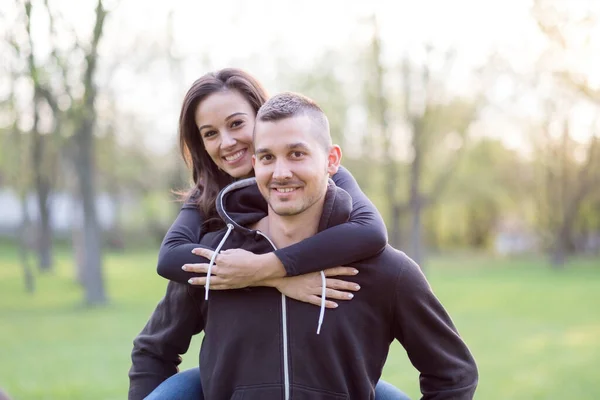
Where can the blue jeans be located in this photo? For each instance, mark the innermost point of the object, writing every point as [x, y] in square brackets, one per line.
[186, 385]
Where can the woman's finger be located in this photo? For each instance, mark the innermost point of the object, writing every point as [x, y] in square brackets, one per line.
[338, 295]
[202, 267]
[214, 281]
[341, 271]
[339, 284]
[197, 281]
[316, 300]
[202, 252]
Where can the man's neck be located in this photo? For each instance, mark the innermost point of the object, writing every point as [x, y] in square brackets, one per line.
[288, 230]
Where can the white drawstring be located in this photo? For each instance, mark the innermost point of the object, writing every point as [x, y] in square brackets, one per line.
[323, 293]
[212, 260]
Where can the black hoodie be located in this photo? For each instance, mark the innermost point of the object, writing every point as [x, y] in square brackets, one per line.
[258, 344]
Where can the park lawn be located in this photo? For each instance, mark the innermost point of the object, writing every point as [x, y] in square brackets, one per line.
[535, 332]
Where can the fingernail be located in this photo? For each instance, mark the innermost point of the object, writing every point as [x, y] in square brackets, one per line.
[335, 305]
[350, 295]
[357, 287]
[191, 280]
[355, 271]
[193, 251]
[184, 267]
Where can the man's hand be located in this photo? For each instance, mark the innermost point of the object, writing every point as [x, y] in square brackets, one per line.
[236, 268]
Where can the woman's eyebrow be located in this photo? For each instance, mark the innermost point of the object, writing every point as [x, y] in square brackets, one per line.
[226, 119]
[235, 115]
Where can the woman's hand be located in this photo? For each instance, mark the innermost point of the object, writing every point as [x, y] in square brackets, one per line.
[236, 268]
[307, 288]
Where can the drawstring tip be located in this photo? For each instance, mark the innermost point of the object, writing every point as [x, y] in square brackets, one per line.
[323, 296]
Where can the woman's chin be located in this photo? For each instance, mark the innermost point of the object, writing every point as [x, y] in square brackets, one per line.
[242, 171]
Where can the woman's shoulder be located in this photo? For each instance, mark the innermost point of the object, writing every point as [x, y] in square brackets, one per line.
[190, 199]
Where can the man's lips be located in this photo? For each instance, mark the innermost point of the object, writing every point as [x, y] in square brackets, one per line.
[285, 190]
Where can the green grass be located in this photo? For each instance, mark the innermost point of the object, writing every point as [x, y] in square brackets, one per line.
[534, 331]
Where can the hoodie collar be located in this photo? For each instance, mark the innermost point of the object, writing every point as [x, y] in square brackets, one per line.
[241, 204]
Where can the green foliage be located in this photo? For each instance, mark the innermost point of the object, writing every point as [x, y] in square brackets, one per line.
[323, 84]
[534, 331]
[490, 184]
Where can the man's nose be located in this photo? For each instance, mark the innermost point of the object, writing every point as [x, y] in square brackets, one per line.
[282, 170]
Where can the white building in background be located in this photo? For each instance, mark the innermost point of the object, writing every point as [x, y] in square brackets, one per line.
[65, 212]
[514, 236]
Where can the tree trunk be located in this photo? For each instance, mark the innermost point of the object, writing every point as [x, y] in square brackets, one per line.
[38, 160]
[85, 162]
[396, 237]
[416, 204]
[558, 257]
[93, 280]
[77, 245]
[24, 244]
[42, 189]
[44, 233]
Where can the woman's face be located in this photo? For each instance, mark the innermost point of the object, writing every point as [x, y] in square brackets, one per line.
[226, 121]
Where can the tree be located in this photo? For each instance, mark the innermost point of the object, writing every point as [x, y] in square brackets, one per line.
[436, 129]
[43, 154]
[571, 168]
[85, 165]
[15, 165]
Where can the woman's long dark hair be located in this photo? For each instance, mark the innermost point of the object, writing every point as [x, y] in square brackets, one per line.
[207, 178]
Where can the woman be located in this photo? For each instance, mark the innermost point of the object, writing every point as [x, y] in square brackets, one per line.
[215, 127]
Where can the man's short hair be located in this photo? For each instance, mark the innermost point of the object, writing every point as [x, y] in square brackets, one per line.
[288, 105]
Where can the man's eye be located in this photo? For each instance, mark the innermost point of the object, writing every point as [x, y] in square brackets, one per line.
[266, 157]
[297, 154]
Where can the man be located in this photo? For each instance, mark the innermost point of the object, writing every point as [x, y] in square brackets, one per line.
[260, 345]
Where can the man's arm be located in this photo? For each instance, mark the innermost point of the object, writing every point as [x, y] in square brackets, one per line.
[156, 350]
[447, 368]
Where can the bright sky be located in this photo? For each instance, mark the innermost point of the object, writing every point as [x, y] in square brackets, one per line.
[263, 35]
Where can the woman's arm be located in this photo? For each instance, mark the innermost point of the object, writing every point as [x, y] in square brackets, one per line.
[363, 236]
[176, 249]
[307, 288]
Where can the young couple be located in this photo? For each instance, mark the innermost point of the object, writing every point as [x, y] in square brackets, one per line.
[264, 244]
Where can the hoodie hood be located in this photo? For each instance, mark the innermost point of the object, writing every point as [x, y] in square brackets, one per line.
[241, 204]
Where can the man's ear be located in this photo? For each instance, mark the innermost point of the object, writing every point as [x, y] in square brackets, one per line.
[253, 160]
[334, 158]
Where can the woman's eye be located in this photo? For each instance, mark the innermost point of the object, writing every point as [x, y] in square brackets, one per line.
[237, 123]
[209, 134]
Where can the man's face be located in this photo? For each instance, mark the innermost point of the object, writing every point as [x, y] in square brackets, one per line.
[291, 166]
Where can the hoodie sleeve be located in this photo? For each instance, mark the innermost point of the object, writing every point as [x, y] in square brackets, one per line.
[363, 236]
[176, 248]
[156, 350]
[434, 347]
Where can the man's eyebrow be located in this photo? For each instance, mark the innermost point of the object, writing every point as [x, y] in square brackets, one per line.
[261, 150]
[298, 145]
[226, 119]
[291, 146]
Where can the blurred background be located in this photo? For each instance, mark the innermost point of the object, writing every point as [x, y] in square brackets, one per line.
[474, 126]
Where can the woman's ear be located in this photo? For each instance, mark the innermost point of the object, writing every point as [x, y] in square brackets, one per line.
[334, 158]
